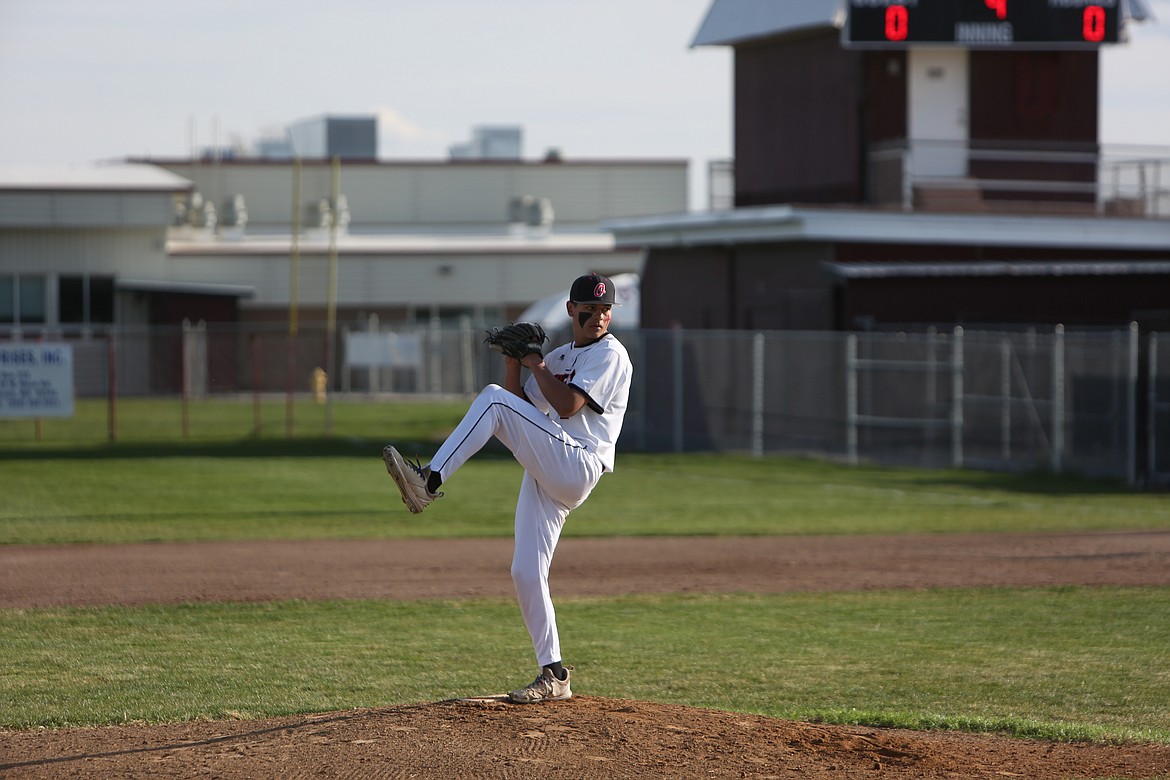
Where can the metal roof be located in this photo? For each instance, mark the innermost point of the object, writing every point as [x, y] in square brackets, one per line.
[729, 22]
[736, 21]
[898, 270]
[188, 288]
[398, 244]
[1136, 10]
[98, 177]
[780, 224]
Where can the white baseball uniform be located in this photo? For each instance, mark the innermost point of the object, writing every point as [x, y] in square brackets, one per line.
[562, 460]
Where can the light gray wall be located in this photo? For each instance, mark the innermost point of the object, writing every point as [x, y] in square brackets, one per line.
[64, 209]
[445, 195]
[123, 251]
[372, 280]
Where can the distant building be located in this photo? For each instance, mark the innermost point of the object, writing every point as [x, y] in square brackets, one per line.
[326, 137]
[133, 250]
[886, 176]
[491, 142]
[153, 244]
[420, 239]
[274, 147]
[77, 245]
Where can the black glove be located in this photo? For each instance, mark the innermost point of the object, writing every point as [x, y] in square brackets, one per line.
[517, 340]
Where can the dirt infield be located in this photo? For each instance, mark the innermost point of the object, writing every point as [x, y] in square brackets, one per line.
[588, 737]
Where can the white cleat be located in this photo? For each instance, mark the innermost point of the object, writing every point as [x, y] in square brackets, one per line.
[545, 687]
[411, 480]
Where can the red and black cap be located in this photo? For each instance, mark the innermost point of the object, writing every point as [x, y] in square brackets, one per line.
[593, 288]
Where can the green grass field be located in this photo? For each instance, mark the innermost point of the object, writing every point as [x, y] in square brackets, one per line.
[1066, 663]
[223, 421]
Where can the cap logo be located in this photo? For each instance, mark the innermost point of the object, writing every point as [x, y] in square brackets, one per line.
[599, 290]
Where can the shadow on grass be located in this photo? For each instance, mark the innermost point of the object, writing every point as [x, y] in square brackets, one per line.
[1028, 482]
[347, 447]
[153, 516]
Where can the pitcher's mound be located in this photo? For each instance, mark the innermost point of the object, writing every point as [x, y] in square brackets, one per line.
[587, 737]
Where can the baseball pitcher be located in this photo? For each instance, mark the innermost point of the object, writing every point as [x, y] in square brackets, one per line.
[562, 425]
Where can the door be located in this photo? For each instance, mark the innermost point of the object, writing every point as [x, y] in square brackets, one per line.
[937, 104]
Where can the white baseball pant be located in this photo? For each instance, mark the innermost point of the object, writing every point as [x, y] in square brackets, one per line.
[559, 474]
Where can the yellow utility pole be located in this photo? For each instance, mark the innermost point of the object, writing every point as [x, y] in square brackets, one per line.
[331, 297]
[294, 285]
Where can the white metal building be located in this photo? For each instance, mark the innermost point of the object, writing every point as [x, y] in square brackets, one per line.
[157, 242]
[72, 238]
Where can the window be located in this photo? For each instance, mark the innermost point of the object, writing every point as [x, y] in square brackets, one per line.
[101, 299]
[7, 300]
[85, 299]
[71, 299]
[32, 299]
[22, 299]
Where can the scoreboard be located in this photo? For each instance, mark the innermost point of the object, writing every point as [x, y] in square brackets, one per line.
[987, 24]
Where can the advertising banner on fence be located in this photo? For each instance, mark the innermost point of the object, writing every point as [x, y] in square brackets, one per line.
[36, 380]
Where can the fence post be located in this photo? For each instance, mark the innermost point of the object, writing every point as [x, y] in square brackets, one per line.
[1058, 400]
[957, 399]
[758, 395]
[1131, 387]
[851, 398]
[257, 414]
[330, 377]
[677, 349]
[185, 379]
[374, 371]
[1005, 406]
[638, 392]
[112, 370]
[38, 423]
[290, 382]
[931, 386]
[467, 351]
[435, 353]
[343, 373]
[1152, 410]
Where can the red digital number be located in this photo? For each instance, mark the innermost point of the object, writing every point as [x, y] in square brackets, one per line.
[897, 22]
[999, 6]
[1093, 24]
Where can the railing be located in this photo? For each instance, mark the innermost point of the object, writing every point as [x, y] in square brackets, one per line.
[720, 185]
[1114, 180]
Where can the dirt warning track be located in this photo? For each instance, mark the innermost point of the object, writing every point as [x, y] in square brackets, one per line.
[45, 576]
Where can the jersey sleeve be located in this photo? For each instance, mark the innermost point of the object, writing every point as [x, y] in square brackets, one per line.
[535, 396]
[600, 379]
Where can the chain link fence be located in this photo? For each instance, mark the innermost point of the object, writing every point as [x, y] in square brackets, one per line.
[1095, 403]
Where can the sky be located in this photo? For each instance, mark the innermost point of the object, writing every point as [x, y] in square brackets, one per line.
[90, 80]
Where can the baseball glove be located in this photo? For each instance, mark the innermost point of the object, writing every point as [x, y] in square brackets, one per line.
[517, 340]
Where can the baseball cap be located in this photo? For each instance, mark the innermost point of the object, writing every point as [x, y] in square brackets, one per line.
[593, 288]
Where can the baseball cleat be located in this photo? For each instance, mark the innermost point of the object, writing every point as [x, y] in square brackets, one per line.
[545, 687]
[411, 479]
